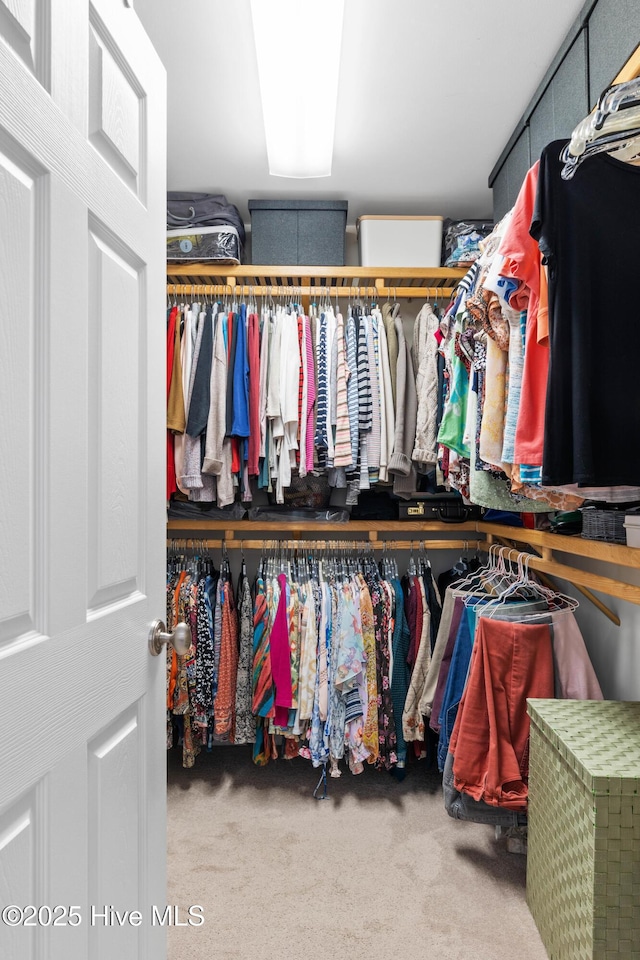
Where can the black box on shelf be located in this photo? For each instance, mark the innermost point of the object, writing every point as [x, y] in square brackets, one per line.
[441, 507]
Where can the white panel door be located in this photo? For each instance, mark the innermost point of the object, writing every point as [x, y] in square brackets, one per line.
[82, 476]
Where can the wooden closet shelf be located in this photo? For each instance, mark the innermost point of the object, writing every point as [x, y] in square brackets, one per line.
[597, 550]
[547, 544]
[550, 542]
[315, 544]
[249, 527]
[379, 282]
[238, 533]
[295, 275]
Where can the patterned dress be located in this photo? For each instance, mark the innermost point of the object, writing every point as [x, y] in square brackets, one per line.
[185, 677]
[263, 690]
[245, 728]
[370, 734]
[387, 739]
[336, 717]
[308, 654]
[204, 656]
[319, 739]
[224, 704]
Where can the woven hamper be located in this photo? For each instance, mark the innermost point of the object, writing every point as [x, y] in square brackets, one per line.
[583, 865]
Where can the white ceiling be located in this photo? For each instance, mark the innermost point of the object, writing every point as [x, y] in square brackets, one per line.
[430, 91]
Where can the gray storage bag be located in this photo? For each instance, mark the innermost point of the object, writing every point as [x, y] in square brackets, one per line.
[186, 210]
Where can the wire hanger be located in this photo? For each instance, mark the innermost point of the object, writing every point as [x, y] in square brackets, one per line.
[553, 600]
[412, 570]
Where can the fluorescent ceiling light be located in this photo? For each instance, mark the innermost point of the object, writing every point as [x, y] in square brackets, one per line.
[298, 46]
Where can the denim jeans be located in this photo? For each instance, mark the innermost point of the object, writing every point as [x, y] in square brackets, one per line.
[462, 807]
[456, 678]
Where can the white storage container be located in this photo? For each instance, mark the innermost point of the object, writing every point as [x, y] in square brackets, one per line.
[632, 527]
[400, 241]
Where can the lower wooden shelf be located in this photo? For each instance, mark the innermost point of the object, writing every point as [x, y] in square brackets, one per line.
[371, 527]
[540, 546]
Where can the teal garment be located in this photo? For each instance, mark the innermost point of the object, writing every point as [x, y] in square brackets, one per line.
[401, 675]
[530, 474]
[264, 480]
[451, 433]
[472, 618]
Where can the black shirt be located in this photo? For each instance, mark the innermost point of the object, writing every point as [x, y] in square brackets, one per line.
[588, 229]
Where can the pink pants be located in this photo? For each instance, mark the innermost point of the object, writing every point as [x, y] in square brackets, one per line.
[490, 742]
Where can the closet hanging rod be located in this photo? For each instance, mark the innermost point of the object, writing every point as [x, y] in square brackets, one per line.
[365, 292]
[552, 546]
[593, 581]
[326, 274]
[389, 546]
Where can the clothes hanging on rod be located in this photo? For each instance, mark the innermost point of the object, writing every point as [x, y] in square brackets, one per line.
[497, 426]
[482, 349]
[268, 400]
[265, 399]
[579, 440]
[328, 655]
[503, 637]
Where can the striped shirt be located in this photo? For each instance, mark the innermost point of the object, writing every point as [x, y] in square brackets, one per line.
[365, 406]
[332, 373]
[373, 439]
[321, 440]
[342, 457]
[352, 386]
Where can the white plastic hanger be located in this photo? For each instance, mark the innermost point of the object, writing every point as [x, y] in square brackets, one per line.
[614, 125]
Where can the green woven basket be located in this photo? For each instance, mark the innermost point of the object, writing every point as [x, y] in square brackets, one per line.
[583, 867]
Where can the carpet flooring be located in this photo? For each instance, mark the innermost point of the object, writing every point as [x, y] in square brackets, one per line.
[377, 870]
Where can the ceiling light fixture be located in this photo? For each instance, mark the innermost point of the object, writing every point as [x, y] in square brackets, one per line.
[298, 45]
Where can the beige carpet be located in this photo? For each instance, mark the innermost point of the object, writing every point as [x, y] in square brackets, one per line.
[379, 870]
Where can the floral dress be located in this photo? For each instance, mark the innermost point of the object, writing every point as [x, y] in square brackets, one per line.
[387, 740]
[319, 738]
[370, 733]
[245, 731]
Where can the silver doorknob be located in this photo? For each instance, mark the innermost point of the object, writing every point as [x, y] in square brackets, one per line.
[179, 638]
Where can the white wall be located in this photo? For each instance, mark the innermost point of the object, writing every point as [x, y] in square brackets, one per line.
[614, 651]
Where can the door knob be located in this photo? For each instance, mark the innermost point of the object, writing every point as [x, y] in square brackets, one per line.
[179, 638]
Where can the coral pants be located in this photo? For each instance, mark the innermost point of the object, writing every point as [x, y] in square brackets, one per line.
[490, 742]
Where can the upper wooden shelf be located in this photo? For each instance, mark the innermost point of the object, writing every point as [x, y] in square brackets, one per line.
[396, 282]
